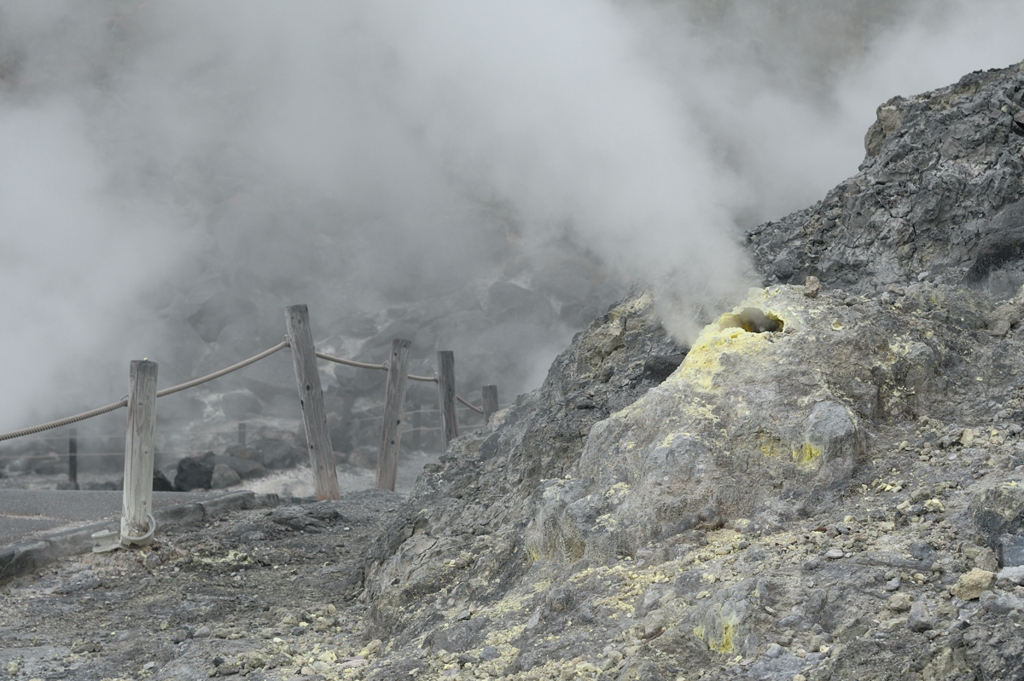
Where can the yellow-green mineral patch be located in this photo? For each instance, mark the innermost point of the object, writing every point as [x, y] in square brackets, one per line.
[807, 456]
[727, 335]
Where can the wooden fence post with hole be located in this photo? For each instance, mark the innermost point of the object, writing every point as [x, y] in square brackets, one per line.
[446, 392]
[311, 401]
[138, 452]
[394, 402]
[73, 458]
[490, 401]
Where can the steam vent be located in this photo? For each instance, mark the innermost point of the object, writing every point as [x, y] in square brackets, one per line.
[825, 484]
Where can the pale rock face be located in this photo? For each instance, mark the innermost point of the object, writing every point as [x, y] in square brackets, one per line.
[745, 416]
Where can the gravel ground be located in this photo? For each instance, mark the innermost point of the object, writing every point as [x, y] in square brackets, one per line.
[272, 594]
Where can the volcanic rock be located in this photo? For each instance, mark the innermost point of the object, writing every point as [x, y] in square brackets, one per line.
[223, 476]
[939, 196]
[193, 473]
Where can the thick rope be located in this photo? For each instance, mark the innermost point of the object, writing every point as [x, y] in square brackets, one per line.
[205, 379]
[124, 403]
[471, 406]
[217, 374]
[63, 422]
[364, 365]
[351, 363]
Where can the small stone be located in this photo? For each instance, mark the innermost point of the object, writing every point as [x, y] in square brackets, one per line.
[833, 554]
[893, 584]
[970, 585]
[812, 285]
[920, 620]
[1011, 550]
[489, 653]
[774, 651]
[1014, 574]
[987, 560]
[899, 602]
[998, 605]
[202, 632]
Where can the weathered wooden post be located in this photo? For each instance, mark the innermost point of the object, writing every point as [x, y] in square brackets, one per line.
[137, 506]
[490, 400]
[311, 400]
[73, 458]
[446, 392]
[394, 401]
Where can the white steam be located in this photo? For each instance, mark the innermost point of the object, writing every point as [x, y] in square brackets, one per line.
[352, 154]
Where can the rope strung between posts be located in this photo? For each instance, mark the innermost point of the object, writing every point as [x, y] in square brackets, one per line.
[223, 372]
[351, 363]
[364, 365]
[63, 422]
[471, 406]
[124, 403]
[205, 379]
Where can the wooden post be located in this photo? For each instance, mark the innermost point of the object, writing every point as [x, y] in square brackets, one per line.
[138, 453]
[446, 392]
[73, 458]
[311, 400]
[490, 398]
[394, 401]
[417, 423]
[241, 433]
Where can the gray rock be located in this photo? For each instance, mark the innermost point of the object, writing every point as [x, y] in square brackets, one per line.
[939, 191]
[80, 581]
[1011, 550]
[1013, 574]
[920, 619]
[246, 468]
[193, 473]
[223, 477]
[997, 510]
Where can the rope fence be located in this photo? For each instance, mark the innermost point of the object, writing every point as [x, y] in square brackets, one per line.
[141, 403]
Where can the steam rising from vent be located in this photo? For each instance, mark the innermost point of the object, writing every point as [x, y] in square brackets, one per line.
[173, 174]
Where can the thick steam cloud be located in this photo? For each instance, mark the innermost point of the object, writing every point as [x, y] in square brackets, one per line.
[359, 155]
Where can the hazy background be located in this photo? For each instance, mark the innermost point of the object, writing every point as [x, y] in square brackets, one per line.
[173, 174]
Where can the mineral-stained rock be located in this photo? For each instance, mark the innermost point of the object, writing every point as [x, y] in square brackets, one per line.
[971, 585]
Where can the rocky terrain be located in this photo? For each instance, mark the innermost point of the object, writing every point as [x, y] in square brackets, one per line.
[829, 484]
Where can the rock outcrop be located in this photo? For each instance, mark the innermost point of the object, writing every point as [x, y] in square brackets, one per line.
[823, 488]
[938, 198]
